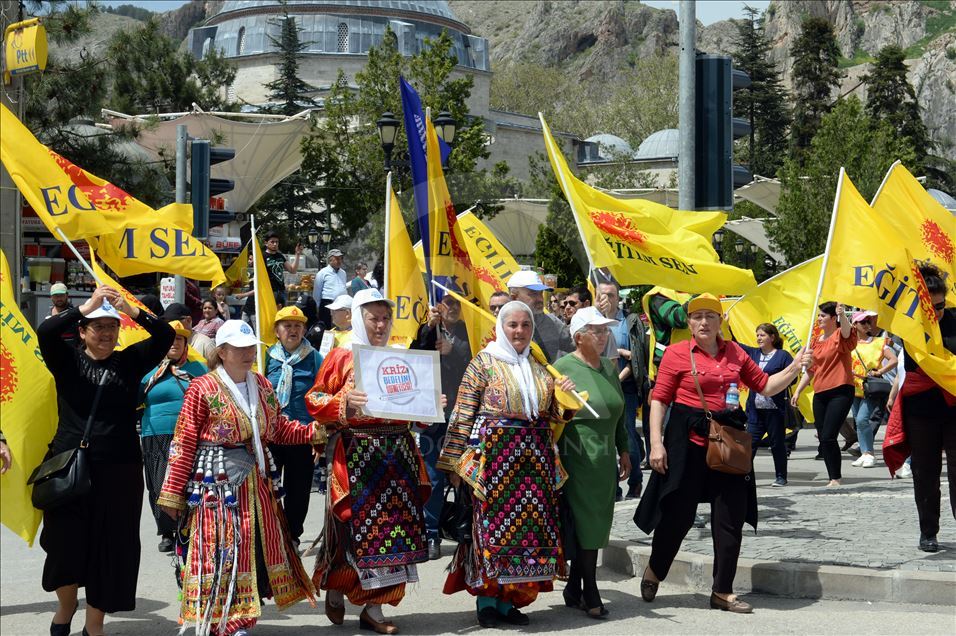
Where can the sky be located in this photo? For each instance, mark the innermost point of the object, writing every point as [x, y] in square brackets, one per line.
[708, 11]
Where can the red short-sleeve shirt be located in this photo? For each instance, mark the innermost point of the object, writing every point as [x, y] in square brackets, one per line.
[730, 365]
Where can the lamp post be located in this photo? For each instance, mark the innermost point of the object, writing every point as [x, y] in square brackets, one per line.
[313, 237]
[752, 259]
[739, 249]
[770, 265]
[445, 126]
[718, 241]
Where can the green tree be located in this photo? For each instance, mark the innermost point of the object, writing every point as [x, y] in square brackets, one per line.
[151, 75]
[815, 76]
[847, 137]
[890, 97]
[558, 248]
[289, 92]
[343, 158]
[764, 103]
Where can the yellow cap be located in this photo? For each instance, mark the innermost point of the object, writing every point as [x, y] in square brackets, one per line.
[291, 313]
[703, 302]
[181, 329]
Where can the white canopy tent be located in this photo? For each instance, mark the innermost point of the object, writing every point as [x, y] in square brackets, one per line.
[267, 150]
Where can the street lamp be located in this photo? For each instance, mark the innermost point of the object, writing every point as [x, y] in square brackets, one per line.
[313, 237]
[739, 246]
[769, 264]
[446, 126]
[718, 240]
[387, 130]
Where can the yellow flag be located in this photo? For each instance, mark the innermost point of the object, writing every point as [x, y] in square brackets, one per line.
[266, 301]
[492, 263]
[926, 228]
[403, 280]
[640, 249]
[59, 202]
[868, 267]
[237, 275]
[28, 403]
[786, 301]
[149, 244]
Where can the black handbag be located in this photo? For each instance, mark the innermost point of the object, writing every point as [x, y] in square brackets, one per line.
[875, 387]
[455, 522]
[66, 476]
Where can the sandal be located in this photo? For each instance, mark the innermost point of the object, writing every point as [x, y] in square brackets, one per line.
[648, 588]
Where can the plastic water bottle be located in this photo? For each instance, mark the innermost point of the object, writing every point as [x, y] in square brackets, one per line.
[732, 399]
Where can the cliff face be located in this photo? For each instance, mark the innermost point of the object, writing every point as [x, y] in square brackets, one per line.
[596, 39]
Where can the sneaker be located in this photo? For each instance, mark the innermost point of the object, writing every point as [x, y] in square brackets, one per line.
[166, 545]
[858, 462]
[868, 461]
[904, 472]
[779, 482]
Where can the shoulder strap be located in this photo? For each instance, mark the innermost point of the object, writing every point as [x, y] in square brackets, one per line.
[693, 373]
[85, 442]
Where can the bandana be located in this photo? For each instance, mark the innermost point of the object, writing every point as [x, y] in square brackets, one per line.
[288, 360]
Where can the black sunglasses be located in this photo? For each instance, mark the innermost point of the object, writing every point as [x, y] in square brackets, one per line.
[940, 306]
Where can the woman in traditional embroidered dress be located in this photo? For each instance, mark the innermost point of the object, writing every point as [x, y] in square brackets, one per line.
[222, 475]
[374, 532]
[500, 443]
[163, 390]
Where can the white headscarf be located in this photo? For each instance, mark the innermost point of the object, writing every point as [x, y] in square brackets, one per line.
[502, 349]
[359, 335]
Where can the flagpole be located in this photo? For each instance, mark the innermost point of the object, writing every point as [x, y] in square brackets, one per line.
[566, 188]
[255, 292]
[79, 256]
[388, 230]
[431, 243]
[886, 178]
[826, 259]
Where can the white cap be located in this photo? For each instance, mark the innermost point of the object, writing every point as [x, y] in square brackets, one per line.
[368, 296]
[590, 316]
[106, 310]
[341, 302]
[528, 279]
[236, 333]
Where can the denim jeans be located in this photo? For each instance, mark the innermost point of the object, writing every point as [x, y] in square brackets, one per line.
[631, 403]
[861, 409]
[430, 442]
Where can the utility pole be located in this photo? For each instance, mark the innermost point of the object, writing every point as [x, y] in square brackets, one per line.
[687, 80]
[13, 97]
[182, 136]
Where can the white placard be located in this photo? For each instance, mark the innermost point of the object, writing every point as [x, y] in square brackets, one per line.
[233, 243]
[167, 291]
[402, 384]
[328, 341]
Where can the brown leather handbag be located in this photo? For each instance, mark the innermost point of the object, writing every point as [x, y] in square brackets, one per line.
[728, 447]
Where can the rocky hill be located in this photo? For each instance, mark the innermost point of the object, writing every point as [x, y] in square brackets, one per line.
[596, 39]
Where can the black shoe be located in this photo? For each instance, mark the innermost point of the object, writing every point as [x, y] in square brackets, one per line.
[434, 549]
[648, 588]
[598, 613]
[571, 600]
[488, 617]
[818, 457]
[167, 544]
[514, 617]
[63, 629]
[928, 544]
[634, 492]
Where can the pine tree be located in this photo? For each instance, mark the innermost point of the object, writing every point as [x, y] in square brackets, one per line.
[289, 92]
[891, 98]
[815, 75]
[764, 103]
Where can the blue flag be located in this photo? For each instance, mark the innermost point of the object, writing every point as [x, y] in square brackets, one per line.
[415, 131]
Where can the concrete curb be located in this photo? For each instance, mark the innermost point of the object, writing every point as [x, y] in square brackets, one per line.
[794, 580]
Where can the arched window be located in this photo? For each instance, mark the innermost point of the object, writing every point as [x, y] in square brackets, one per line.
[343, 40]
[241, 41]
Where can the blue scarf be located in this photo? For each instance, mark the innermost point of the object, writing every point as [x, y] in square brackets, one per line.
[288, 360]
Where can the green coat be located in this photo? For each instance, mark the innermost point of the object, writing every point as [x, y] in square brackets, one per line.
[590, 447]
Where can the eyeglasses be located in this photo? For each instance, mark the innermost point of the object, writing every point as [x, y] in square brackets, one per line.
[940, 306]
[571, 303]
[598, 332]
[495, 308]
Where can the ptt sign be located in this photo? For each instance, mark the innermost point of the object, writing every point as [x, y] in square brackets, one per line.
[25, 50]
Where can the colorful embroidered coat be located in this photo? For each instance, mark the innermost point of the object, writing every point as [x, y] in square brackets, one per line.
[513, 469]
[222, 582]
[374, 530]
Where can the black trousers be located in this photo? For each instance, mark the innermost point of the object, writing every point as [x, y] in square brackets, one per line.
[771, 422]
[325, 315]
[727, 495]
[296, 465]
[928, 437]
[830, 409]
